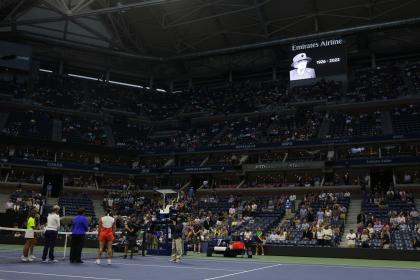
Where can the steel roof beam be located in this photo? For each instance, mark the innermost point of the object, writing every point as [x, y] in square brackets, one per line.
[86, 27]
[235, 11]
[96, 12]
[14, 10]
[325, 34]
[81, 5]
[272, 43]
[261, 18]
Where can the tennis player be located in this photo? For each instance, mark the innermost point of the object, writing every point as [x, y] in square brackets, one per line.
[50, 236]
[29, 237]
[106, 235]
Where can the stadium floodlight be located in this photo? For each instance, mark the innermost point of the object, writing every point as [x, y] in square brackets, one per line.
[125, 84]
[83, 77]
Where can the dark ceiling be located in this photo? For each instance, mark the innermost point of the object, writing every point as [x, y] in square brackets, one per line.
[181, 38]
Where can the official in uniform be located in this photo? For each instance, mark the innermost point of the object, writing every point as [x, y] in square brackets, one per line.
[301, 71]
[177, 229]
[80, 226]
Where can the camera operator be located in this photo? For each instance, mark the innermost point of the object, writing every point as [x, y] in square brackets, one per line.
[147, 234]
[131, 231]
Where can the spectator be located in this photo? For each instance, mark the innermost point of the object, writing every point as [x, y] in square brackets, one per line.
[385, 238]
[232, 211]
[320, 236]
[273, 236]
[414, 214]
[288, 209]
[49, 189]
[364, 238]
[307, 234]
[351, 239]
[328, 235]
[282, 235]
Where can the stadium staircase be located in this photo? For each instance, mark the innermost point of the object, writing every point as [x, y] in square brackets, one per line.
[243, 159]
[57, 130]
[285, 218]
[351, 222]
[170, 162]
[3, 120]
[324, 128]
[109, 136]
[219, 135]
[386, 123]
[185, 186]
[241, 184]
[410, 85]
[283, 221]
[417, 203]
[204, 161]
[3, 199]
[52, 201]
[98, 207]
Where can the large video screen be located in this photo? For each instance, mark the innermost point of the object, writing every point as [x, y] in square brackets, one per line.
[318, 60]
[15, 56]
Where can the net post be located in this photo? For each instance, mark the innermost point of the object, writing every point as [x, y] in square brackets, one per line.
[65, 246]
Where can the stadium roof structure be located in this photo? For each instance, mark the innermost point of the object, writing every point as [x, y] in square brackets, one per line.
[175, 38]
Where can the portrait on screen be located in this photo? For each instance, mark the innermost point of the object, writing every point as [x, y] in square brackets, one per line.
[301, 70]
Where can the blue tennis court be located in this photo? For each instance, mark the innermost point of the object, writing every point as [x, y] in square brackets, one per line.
[159, 268]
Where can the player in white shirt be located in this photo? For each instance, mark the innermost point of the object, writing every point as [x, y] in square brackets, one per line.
[50, 236]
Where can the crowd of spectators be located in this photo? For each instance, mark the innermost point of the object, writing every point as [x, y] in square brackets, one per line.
[381, 83]
[29, 124]
[114, 183]
[25, 176]
[319, 221]
[406, 120]
[88, 131]
[79, 181]
[330, 91]
[304, 124]
[249, 97]
[413, 73]
[205, 218]
[384, 219]
[407, 177]
[285, 180]
[22, 201]
[354, 124]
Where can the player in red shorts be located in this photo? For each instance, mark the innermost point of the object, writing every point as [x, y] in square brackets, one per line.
[106, 235]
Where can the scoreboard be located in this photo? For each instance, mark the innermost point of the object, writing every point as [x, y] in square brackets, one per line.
[323, 59]
[15, 56]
